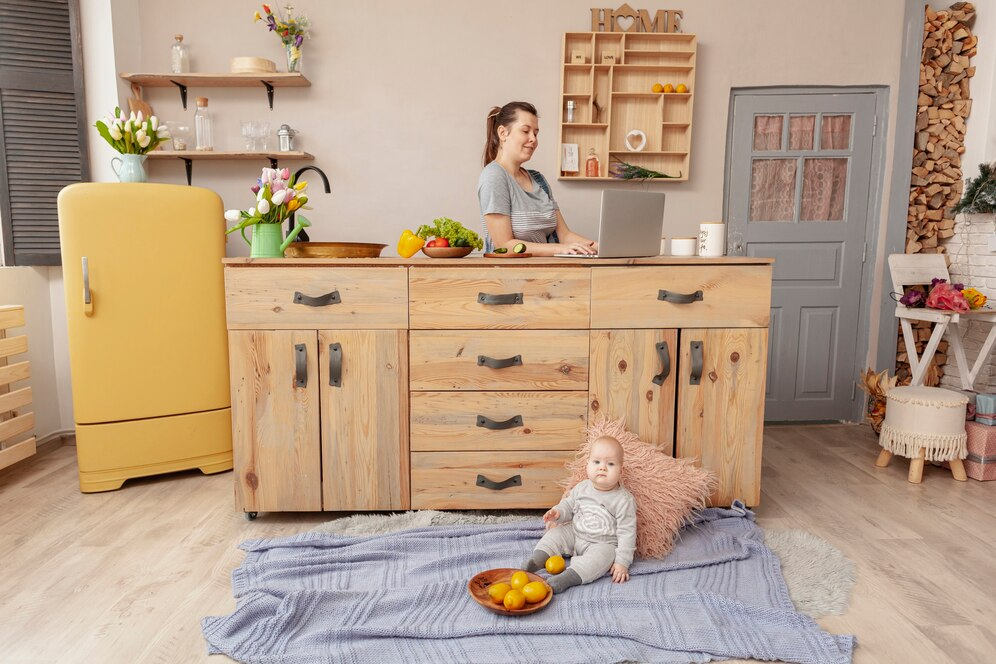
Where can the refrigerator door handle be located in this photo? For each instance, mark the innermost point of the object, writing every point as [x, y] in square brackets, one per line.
[87, 295]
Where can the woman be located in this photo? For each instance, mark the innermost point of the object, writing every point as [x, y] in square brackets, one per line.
[517, 204]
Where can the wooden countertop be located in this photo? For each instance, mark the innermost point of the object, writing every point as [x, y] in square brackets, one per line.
[478, 261]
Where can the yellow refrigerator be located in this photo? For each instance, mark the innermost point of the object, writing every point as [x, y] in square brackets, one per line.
[148, 348]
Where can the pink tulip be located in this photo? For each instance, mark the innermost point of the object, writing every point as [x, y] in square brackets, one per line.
[254, 189]
[285, 174]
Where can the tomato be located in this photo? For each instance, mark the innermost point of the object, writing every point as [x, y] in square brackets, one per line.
[442, 242]
[431, 243]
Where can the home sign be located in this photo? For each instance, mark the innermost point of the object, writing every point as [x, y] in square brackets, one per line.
[627, 19]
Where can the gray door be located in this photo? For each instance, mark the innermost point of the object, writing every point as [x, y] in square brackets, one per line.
[799, 178]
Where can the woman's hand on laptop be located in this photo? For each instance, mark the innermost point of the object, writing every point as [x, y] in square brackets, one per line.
[581, 248]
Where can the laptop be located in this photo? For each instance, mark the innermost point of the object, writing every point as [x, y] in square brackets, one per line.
[630, 225]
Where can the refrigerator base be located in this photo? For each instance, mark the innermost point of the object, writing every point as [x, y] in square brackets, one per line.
[109, 454]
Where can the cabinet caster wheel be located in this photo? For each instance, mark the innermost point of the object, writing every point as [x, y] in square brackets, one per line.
[251, 516]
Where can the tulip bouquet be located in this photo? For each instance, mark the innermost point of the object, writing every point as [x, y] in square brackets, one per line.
[134, 134]
[277, 196]
[292, 31]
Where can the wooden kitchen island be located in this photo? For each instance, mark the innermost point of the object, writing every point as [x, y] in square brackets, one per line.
[393, 384]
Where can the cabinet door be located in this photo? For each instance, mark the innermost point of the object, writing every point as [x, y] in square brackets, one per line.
[632, 376]
[364, 378]
[275, 439]
[721, 407]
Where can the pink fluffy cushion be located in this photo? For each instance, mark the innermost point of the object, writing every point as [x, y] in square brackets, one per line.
[667, 490]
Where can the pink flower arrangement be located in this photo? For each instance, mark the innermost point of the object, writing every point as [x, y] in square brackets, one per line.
[942, 295]
[946, 296]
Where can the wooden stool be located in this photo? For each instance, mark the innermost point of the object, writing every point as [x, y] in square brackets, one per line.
[924, 424]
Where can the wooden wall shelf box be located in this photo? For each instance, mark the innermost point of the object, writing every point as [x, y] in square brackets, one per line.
[613, 99]
[392, 384]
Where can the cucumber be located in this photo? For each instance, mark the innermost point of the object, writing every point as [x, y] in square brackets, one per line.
[501, 250]
[519, 248]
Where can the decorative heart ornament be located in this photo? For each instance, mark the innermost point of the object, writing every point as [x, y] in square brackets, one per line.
[625, 22]
[636, 140]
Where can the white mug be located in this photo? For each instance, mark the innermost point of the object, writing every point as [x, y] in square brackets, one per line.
[712, 239]
[683, 246]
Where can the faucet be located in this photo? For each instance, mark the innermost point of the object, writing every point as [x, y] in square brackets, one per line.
[303, 236]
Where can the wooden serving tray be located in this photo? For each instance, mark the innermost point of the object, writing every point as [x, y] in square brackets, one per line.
[478, 589]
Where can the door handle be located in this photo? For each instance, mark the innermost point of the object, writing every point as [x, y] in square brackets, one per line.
[514, 480]
[504, 298]
[679, 298]
[335, 365]
[87, 295]
[665, 363]
[485, 361]
[696, 377]
[319, 301]
[488, 423]
[300, 365]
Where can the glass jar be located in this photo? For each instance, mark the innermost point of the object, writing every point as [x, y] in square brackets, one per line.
[180, 56]
[202, 126]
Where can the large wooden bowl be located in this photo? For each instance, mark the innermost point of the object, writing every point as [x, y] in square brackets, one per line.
[478, 589]
[333, 250]
[446, 252]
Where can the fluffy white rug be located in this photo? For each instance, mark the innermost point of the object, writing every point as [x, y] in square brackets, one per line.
[819, 577]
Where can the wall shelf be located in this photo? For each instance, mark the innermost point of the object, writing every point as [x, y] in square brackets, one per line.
[189, 156]
[183, 81]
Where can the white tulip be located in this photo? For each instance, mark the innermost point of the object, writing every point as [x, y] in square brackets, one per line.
[140, 135]
[263, 207]
[252, 212]
[155, 121]
[132, 116]
[127, 127]
[140, 117]
[144, 142]
[233, 215]
[260, 194]
[114, 132]
[278, 198]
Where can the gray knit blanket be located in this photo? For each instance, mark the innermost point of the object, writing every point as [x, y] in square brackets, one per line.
[402, 597]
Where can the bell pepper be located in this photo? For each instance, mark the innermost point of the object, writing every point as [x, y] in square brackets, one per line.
[409, 244]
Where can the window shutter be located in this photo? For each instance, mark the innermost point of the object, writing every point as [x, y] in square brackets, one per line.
[42, 124]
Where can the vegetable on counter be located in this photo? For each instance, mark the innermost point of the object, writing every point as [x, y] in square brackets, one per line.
[449, 233]
[519, 248]
[409, 244]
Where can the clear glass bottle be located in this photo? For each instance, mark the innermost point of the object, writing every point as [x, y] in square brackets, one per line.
[591, 165]
[180, 56]
[202, 125]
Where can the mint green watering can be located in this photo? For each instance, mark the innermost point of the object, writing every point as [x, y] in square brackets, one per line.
[268, 239]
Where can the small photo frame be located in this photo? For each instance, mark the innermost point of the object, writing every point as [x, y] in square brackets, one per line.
[569, 161]
[577, 57]
[608, 58]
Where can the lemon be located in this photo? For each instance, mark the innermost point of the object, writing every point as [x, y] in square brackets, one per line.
[498, 591]
[555, 564]
[514, 599]
[668, 88]
[658, 87]
[519, 579]
[681, 88]
[535, 591]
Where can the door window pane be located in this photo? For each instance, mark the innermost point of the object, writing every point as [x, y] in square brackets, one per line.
[767, 132]
[772, 190]
[801, 132]
[835, 133]
[824, 184]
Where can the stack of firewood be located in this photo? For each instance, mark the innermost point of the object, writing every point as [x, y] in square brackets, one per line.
[936, 185]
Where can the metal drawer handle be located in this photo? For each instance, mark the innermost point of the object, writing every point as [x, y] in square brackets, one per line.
[504, 298]
[514, 480]
[696, 377]
[335, 365]
[300, 365]
[87, 296]
[320, 301]
[665, 363]
[679, 298]
[485, 361]
[488, 423]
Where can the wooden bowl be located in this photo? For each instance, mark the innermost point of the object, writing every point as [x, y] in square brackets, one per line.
[333, 250]
[446, 252]
[478, 588]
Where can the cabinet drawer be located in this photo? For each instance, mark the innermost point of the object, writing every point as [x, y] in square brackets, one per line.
[456, 298]
[448, 480]
[283, 298]
[731, 296]
[443, 421]
[499, 360]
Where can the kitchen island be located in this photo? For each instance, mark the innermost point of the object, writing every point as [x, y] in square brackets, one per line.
[393, 384]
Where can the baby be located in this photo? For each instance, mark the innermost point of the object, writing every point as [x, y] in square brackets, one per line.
[599, 517]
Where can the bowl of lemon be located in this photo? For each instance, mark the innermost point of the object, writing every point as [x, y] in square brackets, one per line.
[510, 592]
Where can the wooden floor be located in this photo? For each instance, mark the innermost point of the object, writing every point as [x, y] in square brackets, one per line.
[126, 576]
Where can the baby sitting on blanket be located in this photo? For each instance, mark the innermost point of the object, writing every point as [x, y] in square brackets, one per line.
[598, 520]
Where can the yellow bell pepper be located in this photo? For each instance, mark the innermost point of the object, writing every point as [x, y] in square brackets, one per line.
[409, 244]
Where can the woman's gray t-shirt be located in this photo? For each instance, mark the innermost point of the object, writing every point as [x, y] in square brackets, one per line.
[533, 213]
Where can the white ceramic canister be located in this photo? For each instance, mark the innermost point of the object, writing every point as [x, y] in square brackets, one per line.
[683, 246]
[712, 239]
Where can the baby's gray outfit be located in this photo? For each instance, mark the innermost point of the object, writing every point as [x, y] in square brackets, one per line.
[600, 530]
